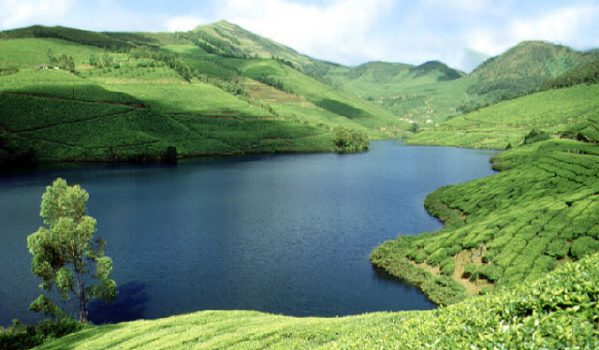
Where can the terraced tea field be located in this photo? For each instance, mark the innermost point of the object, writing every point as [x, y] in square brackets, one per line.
[507, 229]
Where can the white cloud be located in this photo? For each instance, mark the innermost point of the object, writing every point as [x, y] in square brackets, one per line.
[340, 30]
[565, 25]
[345, 31]
[571, 25]
[182, 23]
[17, 13]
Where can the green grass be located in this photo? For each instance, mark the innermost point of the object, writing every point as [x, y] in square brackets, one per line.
[29, 52]
[531, 316]
[508, 122]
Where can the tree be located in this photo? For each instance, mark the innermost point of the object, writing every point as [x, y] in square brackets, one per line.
[350, 141]
[64, 254]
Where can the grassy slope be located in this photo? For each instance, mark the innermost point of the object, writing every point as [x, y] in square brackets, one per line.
[509, 121]
[415, 93]
[138, 107]
[536, 315]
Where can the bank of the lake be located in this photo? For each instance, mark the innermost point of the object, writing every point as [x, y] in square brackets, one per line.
[541, 211]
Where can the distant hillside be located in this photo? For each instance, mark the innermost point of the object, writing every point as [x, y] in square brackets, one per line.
[587, 73]
[414, 93]
[71, 95]
[523, 68]
[508, 122]
[432, 92]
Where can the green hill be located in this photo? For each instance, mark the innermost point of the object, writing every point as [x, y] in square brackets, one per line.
[414, 93]
[74, 95]
[524, 68]
[508, 122]
[531, 316]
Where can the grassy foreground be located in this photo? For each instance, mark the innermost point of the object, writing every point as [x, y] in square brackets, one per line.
[557, 311]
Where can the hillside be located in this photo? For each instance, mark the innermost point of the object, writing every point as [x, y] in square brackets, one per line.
[529, 316]
[524, 68]
[414, 93]
[73, 95]
[508, 122]
[432, 92]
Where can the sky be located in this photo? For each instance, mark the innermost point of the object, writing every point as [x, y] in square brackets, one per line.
[461, 33]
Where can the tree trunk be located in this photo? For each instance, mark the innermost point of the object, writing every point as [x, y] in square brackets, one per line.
[82, 301]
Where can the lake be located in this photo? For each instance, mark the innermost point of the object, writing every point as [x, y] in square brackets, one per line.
[288, 234]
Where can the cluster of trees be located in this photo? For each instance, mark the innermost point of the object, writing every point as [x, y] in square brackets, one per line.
[62, 61]
[414, 127]
[284, 61]
[350, 141]
[11, 155]
[215, 45]
[274, 82]
[101, 62]
[170, 59]
[103, 40]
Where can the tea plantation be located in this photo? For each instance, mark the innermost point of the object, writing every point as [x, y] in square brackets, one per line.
[69, 95]
[541, 211]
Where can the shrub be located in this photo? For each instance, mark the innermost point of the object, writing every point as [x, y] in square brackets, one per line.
[448, 267]
[20, 337]
[349, 141]
[535, 136]
[583, 246]
[557, 248]
[470, 272]
[491, 272]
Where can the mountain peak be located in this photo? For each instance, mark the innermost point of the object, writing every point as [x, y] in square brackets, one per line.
[447, 73]
[222, 24]
[540, 59]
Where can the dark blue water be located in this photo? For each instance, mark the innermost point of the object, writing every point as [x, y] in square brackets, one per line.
[288, 234]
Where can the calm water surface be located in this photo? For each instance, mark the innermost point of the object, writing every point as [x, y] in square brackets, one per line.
[288, 234]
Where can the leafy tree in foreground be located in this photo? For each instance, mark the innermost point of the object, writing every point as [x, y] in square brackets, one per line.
[64, 254]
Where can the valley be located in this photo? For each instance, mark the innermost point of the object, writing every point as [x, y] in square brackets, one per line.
[515, 264]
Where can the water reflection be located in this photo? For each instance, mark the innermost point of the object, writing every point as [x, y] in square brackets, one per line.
[130, 304]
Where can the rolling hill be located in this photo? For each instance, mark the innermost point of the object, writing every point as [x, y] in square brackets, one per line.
[132, 96]
[432, 92]
[220, 89]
